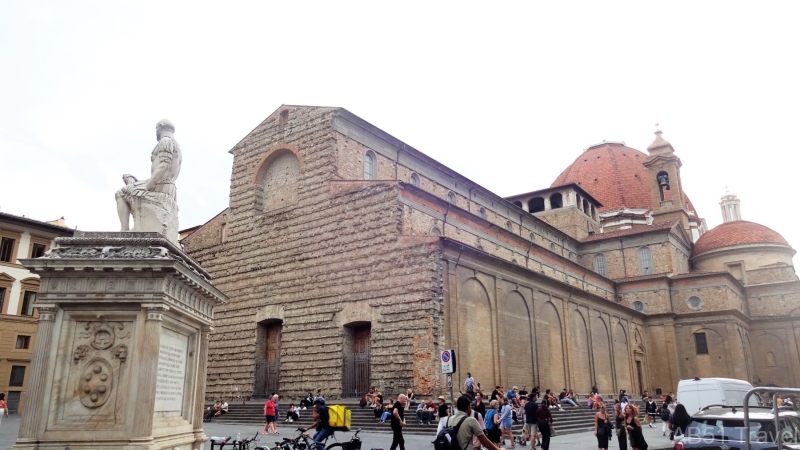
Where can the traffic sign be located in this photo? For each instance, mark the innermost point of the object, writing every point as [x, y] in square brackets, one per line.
[448, 359]
[449, 380]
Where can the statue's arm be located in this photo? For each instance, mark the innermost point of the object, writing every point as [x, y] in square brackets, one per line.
[165, 152]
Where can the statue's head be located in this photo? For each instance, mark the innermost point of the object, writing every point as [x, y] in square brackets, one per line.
[164, 125]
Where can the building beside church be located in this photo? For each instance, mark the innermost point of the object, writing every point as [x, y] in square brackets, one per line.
[352, 259]
[20, 238]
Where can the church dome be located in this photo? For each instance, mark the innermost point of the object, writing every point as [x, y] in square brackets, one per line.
[614, 174]
[737, 233]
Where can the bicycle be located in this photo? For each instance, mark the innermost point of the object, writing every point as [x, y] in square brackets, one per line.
[353, 444]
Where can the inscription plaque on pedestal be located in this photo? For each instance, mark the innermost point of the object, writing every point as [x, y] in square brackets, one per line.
[171, 372]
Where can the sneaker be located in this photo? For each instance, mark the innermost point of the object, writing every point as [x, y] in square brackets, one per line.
[304, 407]
[291, 420]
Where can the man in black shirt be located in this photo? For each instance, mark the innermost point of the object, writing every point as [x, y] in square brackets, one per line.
[523, 392]
[495, 393]
[398, 422]
[530, 430]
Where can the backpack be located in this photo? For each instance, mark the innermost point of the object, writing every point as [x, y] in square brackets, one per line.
[665, 414]
[446, 439]
[488, 421]
[339, 417]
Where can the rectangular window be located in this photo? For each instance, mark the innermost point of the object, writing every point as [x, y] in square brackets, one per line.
[2, 298]
[37, 251]
[17, 376]
[7, 250]
[23, 342]
[27, 303]
[700, 344]
[644, 261]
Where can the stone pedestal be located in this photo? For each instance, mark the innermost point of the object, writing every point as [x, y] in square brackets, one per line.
[120, 353]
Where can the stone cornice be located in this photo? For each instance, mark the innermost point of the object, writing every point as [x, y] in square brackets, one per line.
[747, 248]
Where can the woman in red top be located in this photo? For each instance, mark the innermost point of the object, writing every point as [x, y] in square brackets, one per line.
[269, 415]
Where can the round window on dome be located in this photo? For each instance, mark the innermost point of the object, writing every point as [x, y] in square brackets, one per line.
[638, 306]
[694, 303]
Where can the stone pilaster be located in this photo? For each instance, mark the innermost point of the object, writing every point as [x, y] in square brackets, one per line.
[200, 391]
[148, 371]
[35, 409]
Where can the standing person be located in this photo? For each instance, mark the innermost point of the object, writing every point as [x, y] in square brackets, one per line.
[506, 421]
[530, 431]
[476, 442]
[600, 421]
[679, 420]
[321, 423]
[544, 420]
[492, 423]
[443, 414]
[479, 407]
[398, 422]
[467, 427]
[469, 383]
[652, 411]
[277, 411]
[619, 420]
[634, 428]
[269, 417]
[3, 406]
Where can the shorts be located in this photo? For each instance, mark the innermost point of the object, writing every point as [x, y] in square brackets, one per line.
[270, 419]
[507, 423]
[531, 428]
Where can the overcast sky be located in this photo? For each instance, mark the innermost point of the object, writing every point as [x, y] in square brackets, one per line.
[508, 94]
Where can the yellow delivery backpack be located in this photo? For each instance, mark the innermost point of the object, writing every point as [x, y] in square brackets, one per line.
[339, 417]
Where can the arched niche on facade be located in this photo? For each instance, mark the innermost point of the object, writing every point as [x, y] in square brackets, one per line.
[550, 346]
[516, 327]
[475, 350]
[277, 178]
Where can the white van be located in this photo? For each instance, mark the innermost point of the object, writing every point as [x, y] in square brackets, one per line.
[699, 392]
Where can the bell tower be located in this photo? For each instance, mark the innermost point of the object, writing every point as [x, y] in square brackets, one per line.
[666, 192]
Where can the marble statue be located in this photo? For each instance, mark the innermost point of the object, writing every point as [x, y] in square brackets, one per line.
[152, 202]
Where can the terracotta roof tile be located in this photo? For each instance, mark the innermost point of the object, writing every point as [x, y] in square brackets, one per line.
[739, 232]
[613, 174]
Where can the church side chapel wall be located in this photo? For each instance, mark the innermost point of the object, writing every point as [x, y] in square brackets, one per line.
[513, 327]
[663, 354]
[354, 142]
[622, 256]
[423, 213]
[771, 274]
[715, 293]
[653, 294]
[307, 267]
[775, 347]
[570, 221]
[777, 300]
[725, 357]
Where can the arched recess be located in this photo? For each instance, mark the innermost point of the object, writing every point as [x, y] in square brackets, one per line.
[602, 356]
[712, 364]
[277, 179]
[475, 333]
[622, 359]
[550, 347]
[579, 353]
[516, 328]
[777, 374]
[536, 204]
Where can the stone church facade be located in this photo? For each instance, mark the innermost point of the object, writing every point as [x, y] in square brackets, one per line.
[352, 259]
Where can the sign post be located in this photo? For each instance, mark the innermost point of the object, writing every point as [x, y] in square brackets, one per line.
[448, 359]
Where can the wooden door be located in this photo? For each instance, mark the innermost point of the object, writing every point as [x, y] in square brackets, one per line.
[273, 358]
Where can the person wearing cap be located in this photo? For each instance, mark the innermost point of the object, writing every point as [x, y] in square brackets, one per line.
[443, 414]
[321, 423]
